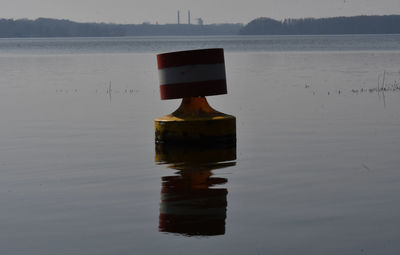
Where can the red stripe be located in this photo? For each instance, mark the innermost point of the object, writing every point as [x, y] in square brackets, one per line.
[193, 89]
[190, 57]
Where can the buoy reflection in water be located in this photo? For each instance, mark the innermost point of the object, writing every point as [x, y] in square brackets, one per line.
[191, 205]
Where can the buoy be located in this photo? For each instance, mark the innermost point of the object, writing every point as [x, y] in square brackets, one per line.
[192, 75]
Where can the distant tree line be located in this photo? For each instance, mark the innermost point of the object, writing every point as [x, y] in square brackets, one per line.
[340, 25]
[43, 27]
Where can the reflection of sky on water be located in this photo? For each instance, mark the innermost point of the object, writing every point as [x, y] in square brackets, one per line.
[192, 202]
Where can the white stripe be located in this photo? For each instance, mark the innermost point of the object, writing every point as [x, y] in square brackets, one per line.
[192, 73]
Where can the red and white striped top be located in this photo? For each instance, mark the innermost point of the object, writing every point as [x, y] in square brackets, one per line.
[192, 73]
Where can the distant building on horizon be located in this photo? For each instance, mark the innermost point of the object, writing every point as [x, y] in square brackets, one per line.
[179, 17]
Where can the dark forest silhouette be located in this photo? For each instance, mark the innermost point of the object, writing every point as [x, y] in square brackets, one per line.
[43, 27]
[339, 25]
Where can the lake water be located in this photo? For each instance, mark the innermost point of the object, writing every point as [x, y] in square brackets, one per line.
[315, 171]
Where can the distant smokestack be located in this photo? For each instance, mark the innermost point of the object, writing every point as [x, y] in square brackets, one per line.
[179, 18]
[189, 17]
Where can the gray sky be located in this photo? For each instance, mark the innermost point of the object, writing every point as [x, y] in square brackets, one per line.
[211, 11]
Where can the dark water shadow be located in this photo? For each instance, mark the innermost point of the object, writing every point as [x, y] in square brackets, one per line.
[192, 201]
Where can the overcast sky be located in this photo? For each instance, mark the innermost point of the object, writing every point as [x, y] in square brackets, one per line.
[211, 11]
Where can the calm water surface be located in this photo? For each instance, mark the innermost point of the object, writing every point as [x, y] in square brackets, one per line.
[315, 170]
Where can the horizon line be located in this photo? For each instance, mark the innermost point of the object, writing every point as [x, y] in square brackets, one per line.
[156, 23]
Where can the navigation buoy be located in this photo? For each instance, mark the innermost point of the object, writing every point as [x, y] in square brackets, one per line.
[193, 75]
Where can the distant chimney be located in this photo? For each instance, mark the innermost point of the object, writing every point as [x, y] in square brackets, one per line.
[189, 17]
[179, 18]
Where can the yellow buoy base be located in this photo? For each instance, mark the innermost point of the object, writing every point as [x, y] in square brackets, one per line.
[195, 122]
